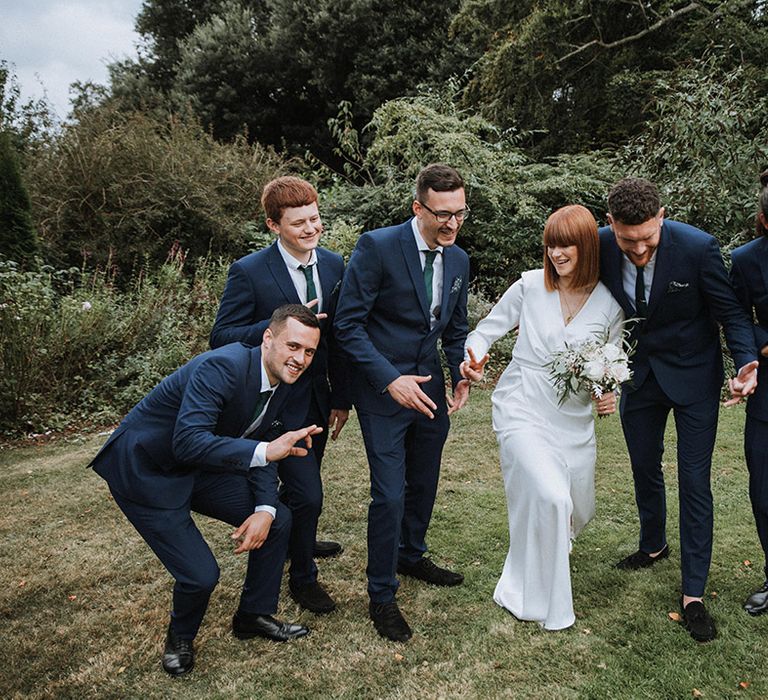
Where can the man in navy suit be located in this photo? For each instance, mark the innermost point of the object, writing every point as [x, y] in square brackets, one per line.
[206, 439]
[295, 269]
[749, 276]
[670, 278]
[406, 288]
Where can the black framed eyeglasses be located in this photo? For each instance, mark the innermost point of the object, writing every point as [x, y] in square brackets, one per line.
[443, 217]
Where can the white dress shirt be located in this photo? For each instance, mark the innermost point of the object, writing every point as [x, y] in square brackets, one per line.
[629, 276]
[297, 275]
[437, 267]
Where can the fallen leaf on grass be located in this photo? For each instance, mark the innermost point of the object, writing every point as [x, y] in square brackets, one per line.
[121, 669]
[743, 685]
[399, 657]
[22, 584]
[72, 597]
[747, 562]
[713, 594]
[697, 693]
[676, 616]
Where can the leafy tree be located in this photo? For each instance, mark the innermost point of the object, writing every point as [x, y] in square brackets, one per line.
[281, 67]
[579, 75]
[18, 241]
[705, 146]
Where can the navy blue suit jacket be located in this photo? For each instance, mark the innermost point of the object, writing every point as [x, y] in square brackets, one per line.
[749, 275]
[193, 421]
[258, 284]
[382, 320]
[679, 340]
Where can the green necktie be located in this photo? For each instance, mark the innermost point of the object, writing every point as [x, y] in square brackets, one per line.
[311, 291]
[260, 403]
[640, 305]
[429, 273]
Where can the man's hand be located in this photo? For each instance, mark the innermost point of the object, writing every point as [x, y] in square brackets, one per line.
[743, 384]
[313, 303]
[460, 396]
[472, 369]
[285, 445]
[337, 419]
[605, 404]
[253, 532]
[406, 391]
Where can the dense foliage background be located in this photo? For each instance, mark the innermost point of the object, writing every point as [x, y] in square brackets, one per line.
[117, 226]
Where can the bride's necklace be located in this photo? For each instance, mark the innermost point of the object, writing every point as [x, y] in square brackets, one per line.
[579, 301]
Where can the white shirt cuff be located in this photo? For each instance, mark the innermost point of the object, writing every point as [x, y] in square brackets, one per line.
[266, 509]
[259, 458]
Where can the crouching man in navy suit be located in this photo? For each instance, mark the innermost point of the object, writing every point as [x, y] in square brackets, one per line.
[293, 270]
[670, 278]
[406, 288]
[206, 439]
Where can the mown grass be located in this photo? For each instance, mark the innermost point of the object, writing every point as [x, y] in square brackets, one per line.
[84, 603]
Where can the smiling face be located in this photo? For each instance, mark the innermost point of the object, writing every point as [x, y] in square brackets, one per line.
[288, 352]
[299, 230]
[638, 241]
[565, 260]
[433, 232]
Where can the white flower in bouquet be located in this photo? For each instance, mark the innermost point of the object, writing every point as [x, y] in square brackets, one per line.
[595, 366]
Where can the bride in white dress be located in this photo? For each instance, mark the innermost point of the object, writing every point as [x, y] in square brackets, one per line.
[547, 448]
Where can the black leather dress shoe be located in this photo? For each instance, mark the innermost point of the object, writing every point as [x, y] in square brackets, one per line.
[698, 621]
[327, 549]
[389, 621]
[641, 560]
[757, 603]
[178, 657]
[247, 626]
[313, 597]
[426, 570]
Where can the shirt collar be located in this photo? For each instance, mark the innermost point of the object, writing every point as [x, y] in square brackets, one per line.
[420, 242]
[291, 262]
[648, 266]
[265, 385]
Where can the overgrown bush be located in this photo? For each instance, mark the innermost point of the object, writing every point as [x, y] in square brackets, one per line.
[124, 187]
[510, 197]
[77, 349]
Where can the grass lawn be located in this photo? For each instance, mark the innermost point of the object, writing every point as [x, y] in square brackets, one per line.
[84, 603]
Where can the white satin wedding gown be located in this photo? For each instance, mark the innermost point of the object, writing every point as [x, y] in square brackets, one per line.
[547, 450]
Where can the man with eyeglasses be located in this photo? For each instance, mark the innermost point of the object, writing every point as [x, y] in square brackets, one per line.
[405, 288]
[670, 279]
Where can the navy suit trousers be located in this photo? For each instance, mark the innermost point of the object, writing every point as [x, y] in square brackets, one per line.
[174, 538]
[404, 452]
[644, 417]
[756, 451]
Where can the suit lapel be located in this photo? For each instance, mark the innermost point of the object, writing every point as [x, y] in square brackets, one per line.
[413, 263]
[450, 272]
[613, 278]
[251, 390]
[662, 273]
[281, 275]
[762, 262]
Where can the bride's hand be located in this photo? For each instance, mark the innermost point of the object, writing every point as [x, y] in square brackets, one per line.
[606, 404]
[472, 369]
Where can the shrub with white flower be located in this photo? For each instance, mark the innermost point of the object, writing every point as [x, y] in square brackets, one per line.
[595, 366]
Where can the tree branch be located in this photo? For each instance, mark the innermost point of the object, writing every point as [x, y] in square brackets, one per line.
[691, 7]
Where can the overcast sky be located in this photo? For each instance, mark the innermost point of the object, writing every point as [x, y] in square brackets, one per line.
[56, 43]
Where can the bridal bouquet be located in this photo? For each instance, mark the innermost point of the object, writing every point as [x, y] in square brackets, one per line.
[594, 365]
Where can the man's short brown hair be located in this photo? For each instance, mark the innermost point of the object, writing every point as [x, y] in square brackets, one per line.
[300, 312]
[438, 177]
[633, 200]
[286, 191]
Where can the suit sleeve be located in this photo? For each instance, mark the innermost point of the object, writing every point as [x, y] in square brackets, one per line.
[338, 362]
[725, 306]
[194, 439]
[235, 318]
[455, 333]
[358, 296]
[744, 294]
